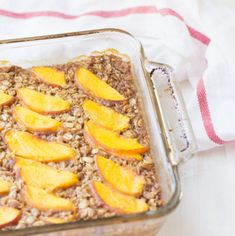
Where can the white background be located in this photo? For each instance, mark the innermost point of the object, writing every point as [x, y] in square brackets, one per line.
[207, 207]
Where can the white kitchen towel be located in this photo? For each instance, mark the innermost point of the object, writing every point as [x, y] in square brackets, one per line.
[195, 37]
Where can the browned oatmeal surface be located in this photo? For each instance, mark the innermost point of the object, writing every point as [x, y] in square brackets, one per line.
[116, 73]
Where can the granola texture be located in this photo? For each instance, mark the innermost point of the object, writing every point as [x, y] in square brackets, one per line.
[117, 73]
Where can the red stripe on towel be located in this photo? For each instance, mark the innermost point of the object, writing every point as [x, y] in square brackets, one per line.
[206, 116]
[108, 14]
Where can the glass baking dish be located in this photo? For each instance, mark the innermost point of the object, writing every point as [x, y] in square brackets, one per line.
[171, 137]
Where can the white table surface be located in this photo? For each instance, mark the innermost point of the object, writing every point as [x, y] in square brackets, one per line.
[208, 204]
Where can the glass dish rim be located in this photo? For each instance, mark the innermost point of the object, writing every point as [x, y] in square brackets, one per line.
[161, 212]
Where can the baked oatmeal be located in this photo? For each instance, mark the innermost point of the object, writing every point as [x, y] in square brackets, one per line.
[69, 129]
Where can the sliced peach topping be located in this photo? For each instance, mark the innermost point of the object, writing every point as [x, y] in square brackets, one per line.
[95, 86]
[50, 75]
[9, 216]
[54, 220]
[45, 201]
[5, 99]
[42, 176]
[32, 147]
[128, 156]
[42, 103]
[121, 178]
[4, 186]
[105, 116]
[111, 141]
[116, 201]
[34, 121]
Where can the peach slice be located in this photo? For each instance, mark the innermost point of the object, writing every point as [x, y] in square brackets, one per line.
[31, 147]
[42, 176]
[34, 121]
[54, 220]
[111, 141]
[9, 216]
[127, 156]
[45, 201]
[50, 75]
[4, 186]
[42, 103]
[105, 116]
[5, 99]
[121, 178]
[137, 157]
[95, 86]
[116, 201]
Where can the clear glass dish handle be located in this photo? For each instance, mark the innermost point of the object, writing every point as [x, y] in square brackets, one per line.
[172, 115]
